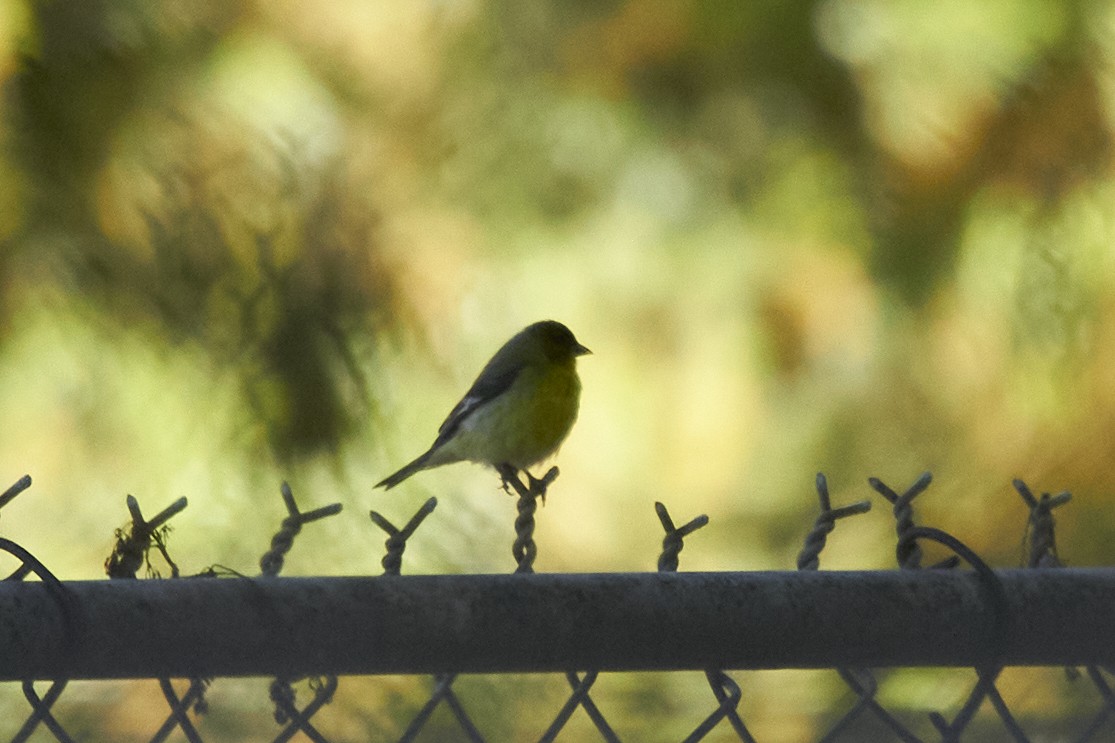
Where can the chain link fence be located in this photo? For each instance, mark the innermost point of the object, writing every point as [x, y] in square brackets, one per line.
[309, 635]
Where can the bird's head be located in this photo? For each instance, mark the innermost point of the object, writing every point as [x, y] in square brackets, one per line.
[554, 340]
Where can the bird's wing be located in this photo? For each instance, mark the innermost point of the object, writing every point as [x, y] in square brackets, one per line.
[492, 382]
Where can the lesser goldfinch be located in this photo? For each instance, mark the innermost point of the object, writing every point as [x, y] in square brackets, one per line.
[518, 411]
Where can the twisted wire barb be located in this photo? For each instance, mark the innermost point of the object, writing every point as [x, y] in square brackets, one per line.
[134, 541]
[392, 563]
[524, 549]
[1040, 526]
[272, 561]
[724, 688]
[909, 555]
[674, 540]
[1041, 552]
[397, 538]
[810, 556]
[132, 550]
[907, 551]
[443, 683]
[860, 680]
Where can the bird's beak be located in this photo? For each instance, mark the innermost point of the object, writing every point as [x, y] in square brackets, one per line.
[579, 350]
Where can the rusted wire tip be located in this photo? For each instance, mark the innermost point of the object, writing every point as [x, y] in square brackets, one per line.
[823, 491]
[304, 518]
[17, 487]
[668, 523]
[133, 509]
[381, 521]
[901, 500]
[1024, 491]
[921, 483]
[664, 517]
[852, 509]
[165, 515]
[319, 513]
[288, 498]
[420, 516]
[693, 525]
[415, 520]
[1046, 500]
[882, 489]
[176, 506]
[1060, 499]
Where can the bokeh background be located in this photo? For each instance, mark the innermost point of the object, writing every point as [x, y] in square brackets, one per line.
[244, 242]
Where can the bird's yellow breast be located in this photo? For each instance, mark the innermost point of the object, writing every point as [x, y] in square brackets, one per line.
[527, 423]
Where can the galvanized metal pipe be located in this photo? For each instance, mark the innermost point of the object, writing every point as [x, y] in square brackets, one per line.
[525, 623]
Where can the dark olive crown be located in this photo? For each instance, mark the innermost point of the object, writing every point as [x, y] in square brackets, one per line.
[557, 341]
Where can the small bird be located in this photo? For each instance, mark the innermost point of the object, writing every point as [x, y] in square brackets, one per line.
[517, 412]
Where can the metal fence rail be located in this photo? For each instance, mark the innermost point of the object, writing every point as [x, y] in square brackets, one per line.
[545, 623]
[219, 624]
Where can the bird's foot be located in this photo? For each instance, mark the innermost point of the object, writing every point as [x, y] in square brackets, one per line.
[508, 476]
[538, 486]
[534, 488]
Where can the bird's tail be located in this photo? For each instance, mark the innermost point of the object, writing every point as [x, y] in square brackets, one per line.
[418, 464]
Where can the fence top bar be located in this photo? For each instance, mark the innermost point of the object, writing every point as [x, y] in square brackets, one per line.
[554, 622]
